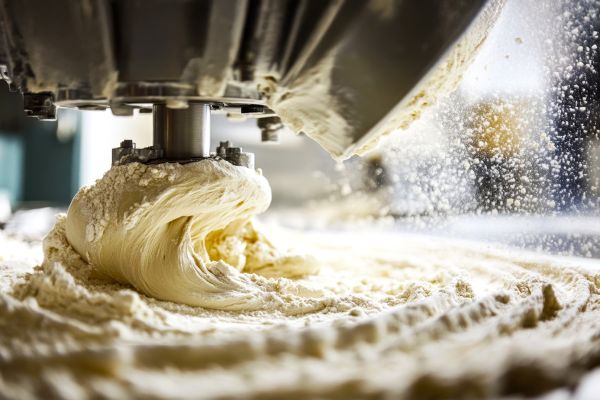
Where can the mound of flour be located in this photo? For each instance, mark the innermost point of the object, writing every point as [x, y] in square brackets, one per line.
[143, 292]
[400, 316]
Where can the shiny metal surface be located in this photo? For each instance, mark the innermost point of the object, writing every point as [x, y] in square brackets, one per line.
[182, 133]
[102, 53]
[371, 59]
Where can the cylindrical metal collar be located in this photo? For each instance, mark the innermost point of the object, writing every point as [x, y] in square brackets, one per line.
[182, 133]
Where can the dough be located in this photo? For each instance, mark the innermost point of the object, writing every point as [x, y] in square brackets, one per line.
[387, 315]
[182, 233]
[401, 316]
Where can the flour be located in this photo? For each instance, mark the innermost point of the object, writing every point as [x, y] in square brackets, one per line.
[439, 82]
[307, 105]
[401, 316]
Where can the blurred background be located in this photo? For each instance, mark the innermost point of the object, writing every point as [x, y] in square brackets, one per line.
[511, 157]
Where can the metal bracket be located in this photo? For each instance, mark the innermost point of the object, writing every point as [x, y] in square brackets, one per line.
[40, 105]
[127, 153]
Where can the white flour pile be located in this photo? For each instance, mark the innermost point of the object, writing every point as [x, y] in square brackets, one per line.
[365, 315]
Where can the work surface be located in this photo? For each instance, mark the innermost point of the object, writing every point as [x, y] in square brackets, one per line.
[405, 315]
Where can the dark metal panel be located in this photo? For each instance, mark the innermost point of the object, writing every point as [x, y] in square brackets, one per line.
[212, 71]
[156, 51]
[156, 38]
[369, 57]
[64, 42]
[380, 58]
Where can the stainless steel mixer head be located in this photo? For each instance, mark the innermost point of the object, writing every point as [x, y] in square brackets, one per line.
[356, 61]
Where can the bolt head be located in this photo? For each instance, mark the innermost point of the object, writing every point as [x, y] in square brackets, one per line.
[127, 144]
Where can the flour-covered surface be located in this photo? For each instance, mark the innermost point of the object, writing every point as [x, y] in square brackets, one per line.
[431, 318]
[17, 257]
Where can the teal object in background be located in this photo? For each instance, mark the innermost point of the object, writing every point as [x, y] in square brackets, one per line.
[39, 160]
[39, 166]
[50, 166]
[11, 171]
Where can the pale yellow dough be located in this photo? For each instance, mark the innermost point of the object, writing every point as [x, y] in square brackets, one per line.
[182, 233]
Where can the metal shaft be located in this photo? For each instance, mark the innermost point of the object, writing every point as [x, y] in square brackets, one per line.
[182, 133]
